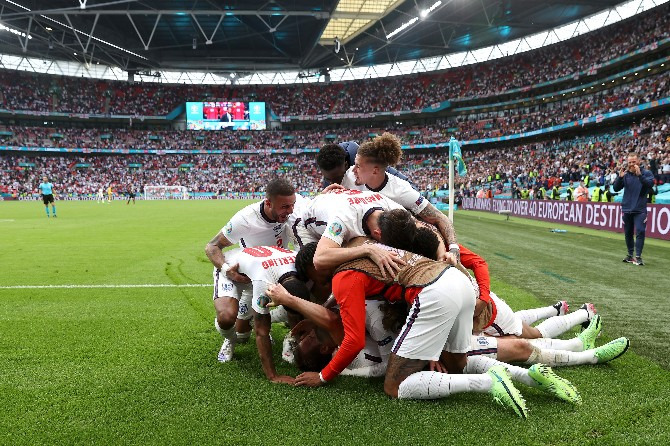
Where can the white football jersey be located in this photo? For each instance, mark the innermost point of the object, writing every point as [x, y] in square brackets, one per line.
[394, 188]
[340, 215]
[265, 266]
[250, 226]
[295, 219]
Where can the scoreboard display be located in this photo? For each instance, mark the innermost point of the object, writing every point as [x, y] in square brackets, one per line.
[225, 115]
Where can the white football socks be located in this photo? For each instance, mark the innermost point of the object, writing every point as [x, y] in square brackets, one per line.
[482, 364]
[560, 358]
[533, 315]
[279, 314]
[574, 345]
[433, 385]
[227, 333]
[557, 325]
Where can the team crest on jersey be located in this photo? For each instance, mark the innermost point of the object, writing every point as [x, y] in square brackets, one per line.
[263, 300]
[229, 227]
[482, 340]
[419, 201]
[335, 229]
[227, 287]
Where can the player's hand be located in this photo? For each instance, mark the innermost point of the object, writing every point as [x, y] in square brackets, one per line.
[277, 294]
[308, 379]
[283, 379]
[636, 170]
[332, 187]
[387, 261]
[450, 258]
[437, 366]
[479, 307]
[234, 275]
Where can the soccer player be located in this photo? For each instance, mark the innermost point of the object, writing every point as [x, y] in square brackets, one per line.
[110, 193]
[398, 228]
[264, 266]
[336, 217]
[315, 340]
[335, 159]
[131, 194]
[369, 173]
[260, 224]
[439, 327]
[100, 196]
[47, 192]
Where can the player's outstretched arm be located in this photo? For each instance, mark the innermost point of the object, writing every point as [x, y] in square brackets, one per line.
[262, 324]
[318, 314]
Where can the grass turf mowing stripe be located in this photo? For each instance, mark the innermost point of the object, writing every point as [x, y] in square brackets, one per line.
[557, 276]
[504, 256]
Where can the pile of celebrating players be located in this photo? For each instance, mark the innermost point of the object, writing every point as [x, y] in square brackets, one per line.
[373, 283]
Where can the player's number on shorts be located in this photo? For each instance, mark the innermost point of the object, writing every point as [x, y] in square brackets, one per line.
[260, 251]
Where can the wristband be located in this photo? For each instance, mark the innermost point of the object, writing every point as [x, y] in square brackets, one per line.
[454, 246]
[323, 381]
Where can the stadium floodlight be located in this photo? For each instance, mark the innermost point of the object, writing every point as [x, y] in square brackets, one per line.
[402, 27]
[424, 12]
[14, 31]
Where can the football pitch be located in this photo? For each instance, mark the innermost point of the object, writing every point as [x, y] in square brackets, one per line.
[92, 351]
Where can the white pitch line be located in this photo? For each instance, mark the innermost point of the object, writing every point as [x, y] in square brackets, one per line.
[146, 285]
[5, 220]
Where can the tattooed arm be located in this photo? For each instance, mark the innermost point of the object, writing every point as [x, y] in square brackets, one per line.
[215, 255]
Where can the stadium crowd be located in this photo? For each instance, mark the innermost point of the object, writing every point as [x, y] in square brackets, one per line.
[482, 125]
[43, 93]
[534, 163]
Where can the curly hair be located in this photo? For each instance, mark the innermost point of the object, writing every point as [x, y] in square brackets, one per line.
[331, 156]
[384, 149]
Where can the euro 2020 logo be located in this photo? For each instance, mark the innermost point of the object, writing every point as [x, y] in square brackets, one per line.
[263, 301]
[335, 229]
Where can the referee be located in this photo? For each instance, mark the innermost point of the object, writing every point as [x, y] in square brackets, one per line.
[47, 192]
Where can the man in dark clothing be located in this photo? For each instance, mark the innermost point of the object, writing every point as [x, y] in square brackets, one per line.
[334, 160]
[636, 183]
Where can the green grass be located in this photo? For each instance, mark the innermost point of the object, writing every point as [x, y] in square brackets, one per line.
[137, 366]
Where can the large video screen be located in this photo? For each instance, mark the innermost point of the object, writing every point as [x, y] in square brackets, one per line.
[225, 115]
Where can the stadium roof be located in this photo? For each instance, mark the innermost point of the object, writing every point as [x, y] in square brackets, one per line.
[249, 35]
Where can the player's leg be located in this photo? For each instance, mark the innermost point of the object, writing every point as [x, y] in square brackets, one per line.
[585, 341]
[539, 376]
[226, 311]
[226, 298]
[598, 355]
[532, 315]
[53, 206]
[435, 314]
[557, 325]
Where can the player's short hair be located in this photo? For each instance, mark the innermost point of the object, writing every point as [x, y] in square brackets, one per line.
[399, 230]
[303, 259]
[311, 360]
[331, 156]
[279, 187]
[297, 288]
[384, 149]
